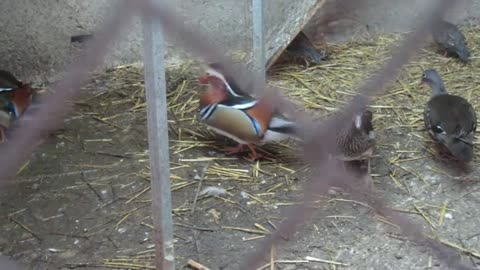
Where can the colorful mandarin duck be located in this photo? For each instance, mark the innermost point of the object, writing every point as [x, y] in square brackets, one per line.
[449, 38]
[15, 97]
[450, 120]
[238, 116]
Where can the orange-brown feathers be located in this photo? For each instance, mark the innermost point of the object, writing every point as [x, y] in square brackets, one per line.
[262, 113]
[21, 98]
[215, 92]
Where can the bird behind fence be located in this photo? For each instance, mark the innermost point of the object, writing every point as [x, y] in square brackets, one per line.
[319, 135]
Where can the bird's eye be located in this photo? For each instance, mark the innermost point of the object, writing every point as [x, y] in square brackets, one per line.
[437, 129]
[424, 75]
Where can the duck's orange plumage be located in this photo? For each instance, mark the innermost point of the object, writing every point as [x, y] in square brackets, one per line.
[215, 92]
[262, 113]
[22, 98]
[239, 116]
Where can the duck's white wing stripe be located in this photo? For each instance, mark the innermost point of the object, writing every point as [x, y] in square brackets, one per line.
[244, 105]
[277, 122]
[207, 111]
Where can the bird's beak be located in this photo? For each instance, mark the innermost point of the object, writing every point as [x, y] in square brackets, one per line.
[421, 83]
[3, 137]
[203, 79]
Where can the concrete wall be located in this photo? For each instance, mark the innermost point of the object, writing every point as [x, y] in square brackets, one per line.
[35, 35]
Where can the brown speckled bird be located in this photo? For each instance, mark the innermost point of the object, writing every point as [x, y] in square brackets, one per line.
[356, 142]
[450, 120]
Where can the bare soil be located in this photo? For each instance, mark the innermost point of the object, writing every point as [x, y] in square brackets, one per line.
[82, 201]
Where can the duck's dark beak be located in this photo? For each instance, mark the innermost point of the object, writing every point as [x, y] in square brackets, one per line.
[422, 82]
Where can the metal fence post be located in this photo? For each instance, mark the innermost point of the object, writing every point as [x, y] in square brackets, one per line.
[155, 88]
[258, 37]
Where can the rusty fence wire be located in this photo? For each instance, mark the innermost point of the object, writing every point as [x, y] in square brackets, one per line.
[47, 115]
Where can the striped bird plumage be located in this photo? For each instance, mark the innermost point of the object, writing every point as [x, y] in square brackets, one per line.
[232, 113]
[15, 97]
[356, 141]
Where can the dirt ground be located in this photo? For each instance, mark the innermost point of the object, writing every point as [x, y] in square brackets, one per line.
[83, 199]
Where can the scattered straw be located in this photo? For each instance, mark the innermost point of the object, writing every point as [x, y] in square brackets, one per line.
[245, 230]
[425, 216]
[321, 89]
[195, 265]
[312, 259]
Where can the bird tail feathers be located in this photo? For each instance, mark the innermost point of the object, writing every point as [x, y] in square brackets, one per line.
[282, 125]
[461, 149]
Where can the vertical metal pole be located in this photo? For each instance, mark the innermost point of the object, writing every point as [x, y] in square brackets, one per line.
[155, 88]
[258, 37]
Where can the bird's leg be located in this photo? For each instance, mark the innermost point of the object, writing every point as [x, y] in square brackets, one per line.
[234, 150]
[307, 64]
[368, 166]
[253, 155]
[3, 137]
[368, 179]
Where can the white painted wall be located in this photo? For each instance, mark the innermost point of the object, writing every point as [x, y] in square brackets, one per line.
[35, 34]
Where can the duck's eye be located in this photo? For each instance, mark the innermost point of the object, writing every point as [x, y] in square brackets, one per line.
[437, 129]
[424, 75]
